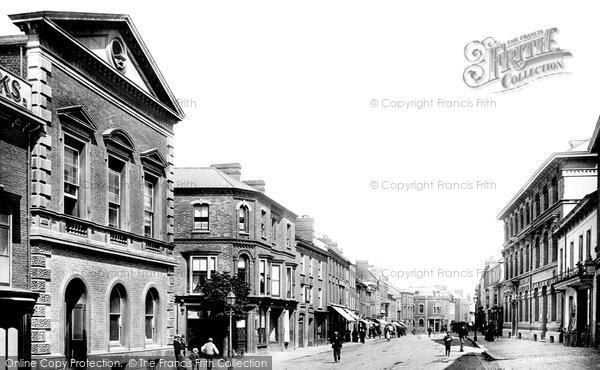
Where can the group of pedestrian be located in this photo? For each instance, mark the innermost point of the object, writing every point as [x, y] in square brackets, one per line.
[208, 351]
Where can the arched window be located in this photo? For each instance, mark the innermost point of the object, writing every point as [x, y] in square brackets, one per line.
[116, 314]
[201, 221]
[243, 268]
[421, 323]
[421, 308]
[150, 315]
[243, 222]
[536, 205]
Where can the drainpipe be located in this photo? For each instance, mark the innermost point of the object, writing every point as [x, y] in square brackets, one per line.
[21, 60]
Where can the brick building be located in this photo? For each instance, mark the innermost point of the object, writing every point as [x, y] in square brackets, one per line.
[341, 290]
[431, 308]
[226, 225]
[312, 278]
[101, 204]
[576, 235]
[19, 127]
[532, 305]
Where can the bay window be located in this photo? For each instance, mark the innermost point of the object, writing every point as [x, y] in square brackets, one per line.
[276, 280]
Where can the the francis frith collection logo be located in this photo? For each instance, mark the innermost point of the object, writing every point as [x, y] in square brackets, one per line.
[514, 63]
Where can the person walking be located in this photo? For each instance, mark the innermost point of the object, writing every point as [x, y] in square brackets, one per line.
[362, 333]
[429, 332]
[448, 342]
[336, 344]
[462, 333]
[387, 334]
[210, 351]
[195, 359]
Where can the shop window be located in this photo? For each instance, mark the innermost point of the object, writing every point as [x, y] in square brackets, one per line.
[202, 269]
[201, 220]
[261, 328]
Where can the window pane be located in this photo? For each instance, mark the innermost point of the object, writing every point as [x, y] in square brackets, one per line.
[148, 196]
[4, 219]
[113, 215]
[4, 241]
[71, 165]
[149, 304]
[115, 302]
[77, 324]
[114, 327]
[203, 264]
[149, 326]
[211, 263]
[114, 186]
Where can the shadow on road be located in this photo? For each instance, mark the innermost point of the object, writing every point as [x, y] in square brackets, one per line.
[455, 342]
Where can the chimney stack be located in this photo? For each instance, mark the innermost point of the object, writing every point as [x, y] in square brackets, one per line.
[305, 228]
[230, 169]
[256, 184]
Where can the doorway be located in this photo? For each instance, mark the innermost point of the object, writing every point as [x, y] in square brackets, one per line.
[75, 321]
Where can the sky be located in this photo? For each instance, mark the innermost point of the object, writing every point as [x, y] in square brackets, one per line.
[287, 90]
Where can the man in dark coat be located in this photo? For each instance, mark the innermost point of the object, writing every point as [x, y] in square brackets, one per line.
[179, 350]
[336, 344]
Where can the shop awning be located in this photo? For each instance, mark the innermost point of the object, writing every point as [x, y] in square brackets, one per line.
[352, 314]
[343, 313]
[399, 324]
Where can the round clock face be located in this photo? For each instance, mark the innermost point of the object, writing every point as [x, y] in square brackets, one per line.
[118, 54]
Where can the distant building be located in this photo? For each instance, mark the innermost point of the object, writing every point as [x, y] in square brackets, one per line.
[312, 277]
[432, 308]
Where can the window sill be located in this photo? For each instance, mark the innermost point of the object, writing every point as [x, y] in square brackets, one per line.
[200, 231]
[244, 233]
[263, 237]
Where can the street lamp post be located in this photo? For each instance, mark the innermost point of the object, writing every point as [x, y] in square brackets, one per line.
[230, 300]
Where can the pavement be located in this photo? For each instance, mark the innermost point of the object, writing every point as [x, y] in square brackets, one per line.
[527, 354]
